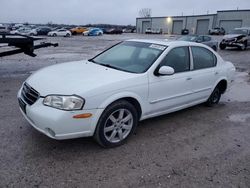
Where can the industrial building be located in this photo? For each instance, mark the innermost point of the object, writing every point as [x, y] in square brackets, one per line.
[196, 24]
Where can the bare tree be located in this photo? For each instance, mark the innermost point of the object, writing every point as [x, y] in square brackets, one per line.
[145, 12]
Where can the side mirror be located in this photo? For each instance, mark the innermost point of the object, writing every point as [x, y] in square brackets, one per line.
[166, 70]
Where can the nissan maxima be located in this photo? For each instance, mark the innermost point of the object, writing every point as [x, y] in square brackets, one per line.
[105, 97]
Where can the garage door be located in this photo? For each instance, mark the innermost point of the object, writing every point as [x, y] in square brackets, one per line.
[228, 25]
[177, 27]
[202, 27]
[145, 25]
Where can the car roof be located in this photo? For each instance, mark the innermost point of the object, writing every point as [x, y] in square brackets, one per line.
[169, 43]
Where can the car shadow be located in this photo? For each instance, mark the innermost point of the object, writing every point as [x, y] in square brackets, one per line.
[165, 124]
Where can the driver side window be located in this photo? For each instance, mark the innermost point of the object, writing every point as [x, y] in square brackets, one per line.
[178, 58]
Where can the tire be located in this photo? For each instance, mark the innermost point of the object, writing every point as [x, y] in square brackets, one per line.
[244, 47]
[214, 48]
[214, 97]
[222, 46]
[54, 35]
[118, 121]
[67, 35]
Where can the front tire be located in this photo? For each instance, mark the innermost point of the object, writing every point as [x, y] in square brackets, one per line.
[116, 124]
[214, 97]
[54, 35]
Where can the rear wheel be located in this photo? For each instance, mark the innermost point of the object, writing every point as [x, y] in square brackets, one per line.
[116, 124]
[214, 97]
[54, 35]
[244, 46]
[222, 46]
[214, 48]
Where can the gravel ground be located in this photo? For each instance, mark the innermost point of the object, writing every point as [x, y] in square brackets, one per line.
[196, 147]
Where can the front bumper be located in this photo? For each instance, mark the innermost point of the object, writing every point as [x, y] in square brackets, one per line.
[59, 124]
[232, 44]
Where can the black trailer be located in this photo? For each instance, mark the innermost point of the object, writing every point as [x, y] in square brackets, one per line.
[22, 43]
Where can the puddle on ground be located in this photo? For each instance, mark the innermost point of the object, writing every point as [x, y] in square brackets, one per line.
[240, 89]
[241, 118]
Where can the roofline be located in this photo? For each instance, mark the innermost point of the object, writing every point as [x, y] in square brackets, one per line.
[176, 16]
[241, 10]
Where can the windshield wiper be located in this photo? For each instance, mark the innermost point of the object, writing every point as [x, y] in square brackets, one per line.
[110, 66]
[92, 60]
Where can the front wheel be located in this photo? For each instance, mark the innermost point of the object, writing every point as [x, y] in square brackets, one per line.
[54, 35]
[214, 97]
[67, 35]
[116, 124]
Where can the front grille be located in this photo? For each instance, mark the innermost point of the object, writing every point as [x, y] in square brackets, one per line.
[29, 94]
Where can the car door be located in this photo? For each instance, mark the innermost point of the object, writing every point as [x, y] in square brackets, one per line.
[61, 32]
[171, 91]
[204, 73]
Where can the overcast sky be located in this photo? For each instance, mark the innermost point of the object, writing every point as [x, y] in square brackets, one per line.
[106, 11]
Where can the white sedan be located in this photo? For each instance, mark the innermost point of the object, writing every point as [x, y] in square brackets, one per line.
[108, 95]
[60, 32]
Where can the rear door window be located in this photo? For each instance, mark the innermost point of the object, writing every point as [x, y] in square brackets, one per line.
[203, 58]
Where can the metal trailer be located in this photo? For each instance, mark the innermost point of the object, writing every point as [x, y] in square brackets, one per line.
[22, 43]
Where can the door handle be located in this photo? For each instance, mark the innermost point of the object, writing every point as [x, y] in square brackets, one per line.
[189, 78]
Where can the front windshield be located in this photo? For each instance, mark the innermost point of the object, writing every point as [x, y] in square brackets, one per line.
[239, 31]
[130, 56]
[188, 38]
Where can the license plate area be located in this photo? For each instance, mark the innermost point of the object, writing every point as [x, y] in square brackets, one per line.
[22, 105]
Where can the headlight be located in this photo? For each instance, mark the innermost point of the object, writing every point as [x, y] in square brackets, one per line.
[64, 102]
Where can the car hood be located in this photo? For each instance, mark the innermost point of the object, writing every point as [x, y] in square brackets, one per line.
[81, 77]
[230, 36]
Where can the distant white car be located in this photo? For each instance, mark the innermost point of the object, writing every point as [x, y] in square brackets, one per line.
[106, 96]
[4, 29]
[25, 31]
[60, 32]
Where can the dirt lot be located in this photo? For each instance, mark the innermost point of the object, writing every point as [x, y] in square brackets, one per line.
[196, 147]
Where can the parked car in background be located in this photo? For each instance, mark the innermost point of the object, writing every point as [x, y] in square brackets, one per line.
[4, 29]
[60, 32]
[93, 32]
[128, 30]
[239, 37]
[184, 31]
[153, 31]
[43, 30]
[78, 30]
[217, 31]
[25, 31]
[113, 31]
[106, 96]
[204, 39]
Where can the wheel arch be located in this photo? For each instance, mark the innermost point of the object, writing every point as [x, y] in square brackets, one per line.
[222, 84]
[134, 99]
